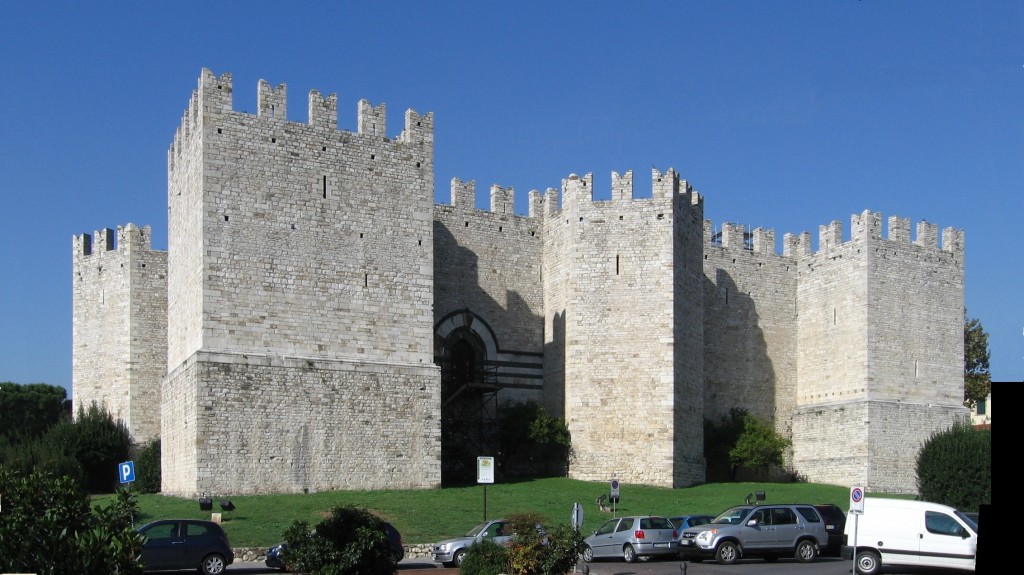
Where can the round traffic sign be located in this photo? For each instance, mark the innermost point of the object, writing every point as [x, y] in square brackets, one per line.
[856, 494]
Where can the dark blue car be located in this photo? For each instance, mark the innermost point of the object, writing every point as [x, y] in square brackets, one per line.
[185, 544]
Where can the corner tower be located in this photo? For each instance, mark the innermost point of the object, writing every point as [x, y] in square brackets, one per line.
[300, 271]
[119, 327]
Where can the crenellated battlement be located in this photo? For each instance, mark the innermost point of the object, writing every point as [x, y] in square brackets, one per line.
[126, 238]
[213, 98]
[864, 226]
[502, 200]
[463, 194]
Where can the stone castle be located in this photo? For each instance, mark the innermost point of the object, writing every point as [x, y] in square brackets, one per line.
[318, 323]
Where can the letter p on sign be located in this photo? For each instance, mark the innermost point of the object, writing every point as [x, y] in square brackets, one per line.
[126, 471]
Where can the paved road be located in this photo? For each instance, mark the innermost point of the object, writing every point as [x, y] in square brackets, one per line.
[822, 566]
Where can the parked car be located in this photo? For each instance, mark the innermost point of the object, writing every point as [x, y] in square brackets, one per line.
[683, 522]
[767, 531]
[835, 522]
[893, 532]
[275, 560]
[185, 544]
[451, 552]
[632, 537]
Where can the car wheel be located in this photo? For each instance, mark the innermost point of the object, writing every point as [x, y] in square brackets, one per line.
[727, 553]
[459, 557]
[212, 564]
[588, 554]
[628, 554]
[868, 563]
[805, 551]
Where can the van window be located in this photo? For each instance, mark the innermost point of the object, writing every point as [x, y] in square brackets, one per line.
[942, 524]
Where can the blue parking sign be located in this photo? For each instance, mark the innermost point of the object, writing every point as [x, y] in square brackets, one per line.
[126, 471]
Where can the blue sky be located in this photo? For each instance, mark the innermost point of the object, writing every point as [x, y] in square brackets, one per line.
[784, 115]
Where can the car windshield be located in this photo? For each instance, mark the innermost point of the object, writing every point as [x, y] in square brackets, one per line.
[476, 530]
[732, 516]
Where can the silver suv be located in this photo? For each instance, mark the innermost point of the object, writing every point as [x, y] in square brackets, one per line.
[767, 531]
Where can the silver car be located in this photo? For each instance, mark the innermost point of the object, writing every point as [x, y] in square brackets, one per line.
[632, 537]
[451, 552]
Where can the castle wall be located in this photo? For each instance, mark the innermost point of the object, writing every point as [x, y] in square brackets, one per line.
[750, 330]
[620, 330]
[489, 263]
[119, 326]
[309, 425]
[300, 243]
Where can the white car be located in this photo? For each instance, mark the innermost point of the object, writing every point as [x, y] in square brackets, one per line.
[451, 552]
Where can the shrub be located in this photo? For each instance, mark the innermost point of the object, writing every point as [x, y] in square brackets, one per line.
[351, 541]
[955, 467]
[485, 558]
[547, 552]
[147, 468]
[48, 528]
[97, 441]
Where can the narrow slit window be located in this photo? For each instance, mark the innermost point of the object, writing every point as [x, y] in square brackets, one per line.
[325, 187]
[616, 264]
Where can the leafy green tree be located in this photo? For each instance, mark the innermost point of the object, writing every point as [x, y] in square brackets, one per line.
[759, 446]
[531, 439]
[977, 380]
[28, 411]
[955, 467]
[47, 527]
[719, 438]
[351, 541]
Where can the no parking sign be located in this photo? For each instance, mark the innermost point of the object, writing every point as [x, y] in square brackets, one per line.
[857, 499]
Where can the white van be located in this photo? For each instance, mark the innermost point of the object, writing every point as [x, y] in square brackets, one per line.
[907, 532]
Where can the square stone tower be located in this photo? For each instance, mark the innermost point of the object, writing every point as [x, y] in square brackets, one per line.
[300, 324]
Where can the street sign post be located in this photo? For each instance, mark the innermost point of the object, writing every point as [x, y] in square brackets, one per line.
[485, 475]
[614, 495]
[856, 509]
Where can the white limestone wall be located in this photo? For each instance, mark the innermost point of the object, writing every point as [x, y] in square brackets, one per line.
[271, 424]
[119, 327]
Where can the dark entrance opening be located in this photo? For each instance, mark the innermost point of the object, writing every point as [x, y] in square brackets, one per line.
[469, 407]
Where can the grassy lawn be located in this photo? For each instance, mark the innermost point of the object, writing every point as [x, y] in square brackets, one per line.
[426, 516]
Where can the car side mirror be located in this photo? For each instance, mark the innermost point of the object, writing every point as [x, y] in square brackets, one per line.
[752, 523]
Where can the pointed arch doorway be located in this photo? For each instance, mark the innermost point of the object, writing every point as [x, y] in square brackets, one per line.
[469, 401]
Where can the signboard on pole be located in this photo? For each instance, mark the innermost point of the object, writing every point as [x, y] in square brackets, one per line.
[615, 491]
[485, 470]
[857, 500]
[577, 516]
[126, 471]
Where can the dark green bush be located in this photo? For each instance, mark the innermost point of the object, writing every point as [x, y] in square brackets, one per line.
[352, 541]
[147, 468]
[97, 441]
[485, 558]
[955, 467]
[47, 527]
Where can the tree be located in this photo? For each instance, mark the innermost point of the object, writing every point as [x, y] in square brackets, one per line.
[719, 439]
[977, 381]
[759, 446]
[531, 440]
[29, 411]
[97, 441]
